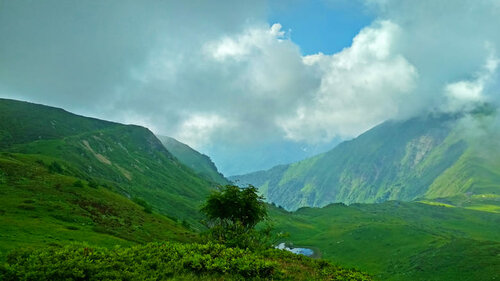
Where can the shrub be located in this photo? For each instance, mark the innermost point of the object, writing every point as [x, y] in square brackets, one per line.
[78, 183]
[147, 208]
[26, 207]
[160, 261]
[148, 262]
[55, 168]
[93, 184]
[232, 214]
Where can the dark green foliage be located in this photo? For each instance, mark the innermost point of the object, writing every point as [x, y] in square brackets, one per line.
[185, 224]
[147, 208]
[26, 207]
[55, 167]
[232, 214]
[93, 184]
[159, 261]
[232, 205]
[78, 183]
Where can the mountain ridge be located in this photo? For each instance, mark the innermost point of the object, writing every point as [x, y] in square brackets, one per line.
[128, 158]
[396, 160]
[198, 162]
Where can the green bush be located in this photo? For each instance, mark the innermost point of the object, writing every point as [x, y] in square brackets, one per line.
[78, 183]
[93, 184]
[141, 202]
[55, 168]
[232, 214]
[149, 262]
[159, 261]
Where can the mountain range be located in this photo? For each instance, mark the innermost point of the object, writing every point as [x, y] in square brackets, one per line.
[66, 178]
[433, 157]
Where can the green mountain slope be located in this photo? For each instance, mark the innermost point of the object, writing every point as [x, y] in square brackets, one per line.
[127, 158]
[427, 157]
[23, 122]
[200, 163]
[54, 226]
[400, 240]
[41, 207]
[80, 198]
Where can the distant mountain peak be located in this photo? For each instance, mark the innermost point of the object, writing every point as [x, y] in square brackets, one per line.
[423, 157]
[198, 162]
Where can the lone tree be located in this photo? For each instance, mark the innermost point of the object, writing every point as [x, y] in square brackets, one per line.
[232, 214]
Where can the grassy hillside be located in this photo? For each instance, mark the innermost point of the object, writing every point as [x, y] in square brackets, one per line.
[400, 241]
[69, 178]
[41, 207]
[66, 178]
[55, 227]
[23, 122]
[200, 163]
[429, 157]
[129, 159]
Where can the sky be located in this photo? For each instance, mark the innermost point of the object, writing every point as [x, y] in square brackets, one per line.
[257, 83]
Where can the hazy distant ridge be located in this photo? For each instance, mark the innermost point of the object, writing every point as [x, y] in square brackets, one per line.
[198, 162]
[430, 157]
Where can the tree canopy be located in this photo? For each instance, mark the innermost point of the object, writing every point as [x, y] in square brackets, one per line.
[233, 212]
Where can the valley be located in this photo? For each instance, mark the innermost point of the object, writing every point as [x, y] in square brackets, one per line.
[83, 180]
[400, 240]
[250, 140]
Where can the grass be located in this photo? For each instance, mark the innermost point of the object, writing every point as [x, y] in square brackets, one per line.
[128, 159]
[45, 218]
[399, 241]
[481, 202]
[40, 208]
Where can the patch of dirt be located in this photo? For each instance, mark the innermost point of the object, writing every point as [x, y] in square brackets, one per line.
[99, 156]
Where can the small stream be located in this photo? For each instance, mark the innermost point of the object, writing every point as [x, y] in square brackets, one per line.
[299, 251]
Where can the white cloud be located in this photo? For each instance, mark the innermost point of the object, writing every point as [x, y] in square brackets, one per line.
[361, 86]
[445, 41]
[245, 44]
[465, 94]
[319, 97]
[465, 91]
[197, 128]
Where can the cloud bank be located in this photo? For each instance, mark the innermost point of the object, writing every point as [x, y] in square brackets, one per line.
[221, 74]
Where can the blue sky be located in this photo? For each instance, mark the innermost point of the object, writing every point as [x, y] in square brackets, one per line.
[320, 26]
